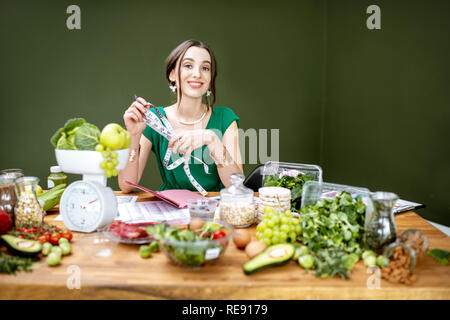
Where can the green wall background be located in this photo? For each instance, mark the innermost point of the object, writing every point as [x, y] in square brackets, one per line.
[369, 106]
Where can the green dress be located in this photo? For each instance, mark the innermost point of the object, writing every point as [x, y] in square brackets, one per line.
[221, 118]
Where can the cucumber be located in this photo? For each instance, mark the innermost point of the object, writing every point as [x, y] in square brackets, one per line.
[51, 198]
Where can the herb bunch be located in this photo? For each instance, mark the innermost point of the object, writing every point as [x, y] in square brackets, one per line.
[332, 229]
[12, 264]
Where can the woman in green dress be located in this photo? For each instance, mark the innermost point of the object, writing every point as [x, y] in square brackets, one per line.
[205, 136]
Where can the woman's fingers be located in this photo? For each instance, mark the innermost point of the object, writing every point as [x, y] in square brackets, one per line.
[174, 139]
[137, 114]
[129, 115]
[178, 144]
[139, 106]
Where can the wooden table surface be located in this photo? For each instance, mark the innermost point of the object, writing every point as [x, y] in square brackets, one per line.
[125, 275]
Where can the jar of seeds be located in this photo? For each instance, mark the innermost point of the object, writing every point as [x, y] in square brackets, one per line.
[236, 203]
[27, 208]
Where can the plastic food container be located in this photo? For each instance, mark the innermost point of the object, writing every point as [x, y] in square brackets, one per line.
[236, 203]
[272, 168]
[202, 208]
[196, 254]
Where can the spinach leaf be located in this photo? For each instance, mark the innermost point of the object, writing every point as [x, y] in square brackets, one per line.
[441, 256]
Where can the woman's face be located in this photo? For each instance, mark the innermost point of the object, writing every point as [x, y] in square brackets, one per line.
[195, 73]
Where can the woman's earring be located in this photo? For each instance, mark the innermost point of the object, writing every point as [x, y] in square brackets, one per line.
[173, 87]
[208, 93]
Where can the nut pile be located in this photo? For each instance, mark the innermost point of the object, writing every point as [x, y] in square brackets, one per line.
[238, 214]
[28, 210]
[399, 265]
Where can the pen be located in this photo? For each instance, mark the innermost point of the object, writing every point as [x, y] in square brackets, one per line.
[148, 103]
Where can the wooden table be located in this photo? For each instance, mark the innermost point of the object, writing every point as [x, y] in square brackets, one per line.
[125, 275]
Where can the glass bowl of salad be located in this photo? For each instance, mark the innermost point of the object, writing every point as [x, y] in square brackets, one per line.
[197, 244]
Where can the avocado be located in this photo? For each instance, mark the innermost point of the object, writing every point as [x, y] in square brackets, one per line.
[276, 255]
[21, 247]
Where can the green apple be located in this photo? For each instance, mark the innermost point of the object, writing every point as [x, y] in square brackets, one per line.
[127, 141]
[113, 136]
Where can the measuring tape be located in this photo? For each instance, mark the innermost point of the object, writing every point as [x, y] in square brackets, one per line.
[166, 130]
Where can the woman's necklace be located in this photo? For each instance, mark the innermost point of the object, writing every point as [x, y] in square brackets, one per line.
[193, 122]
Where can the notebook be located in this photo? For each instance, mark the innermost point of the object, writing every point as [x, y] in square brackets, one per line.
[175, 197]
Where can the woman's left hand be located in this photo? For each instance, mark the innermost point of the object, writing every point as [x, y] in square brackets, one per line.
[184, 142]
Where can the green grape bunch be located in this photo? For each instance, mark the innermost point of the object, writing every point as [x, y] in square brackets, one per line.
[113, 137]
[110, 160]
[276, 228]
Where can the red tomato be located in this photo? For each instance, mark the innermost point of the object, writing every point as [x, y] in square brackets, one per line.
[67, 234]
[219, 234]
[55, 238]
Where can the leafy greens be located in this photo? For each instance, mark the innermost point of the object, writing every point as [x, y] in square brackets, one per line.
[295, 184]
[76, 134]
[332, 229]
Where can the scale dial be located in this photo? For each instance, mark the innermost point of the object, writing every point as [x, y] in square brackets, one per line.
[87, 206]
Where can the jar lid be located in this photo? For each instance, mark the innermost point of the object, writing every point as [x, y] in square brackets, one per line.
[55, 169]
[237, 188]
[11, 174]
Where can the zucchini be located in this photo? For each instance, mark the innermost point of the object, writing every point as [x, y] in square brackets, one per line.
[51, 198]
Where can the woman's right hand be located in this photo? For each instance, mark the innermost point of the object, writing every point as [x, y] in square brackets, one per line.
[133, 117]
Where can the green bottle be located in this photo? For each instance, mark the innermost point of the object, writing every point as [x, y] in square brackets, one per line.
[56, 177]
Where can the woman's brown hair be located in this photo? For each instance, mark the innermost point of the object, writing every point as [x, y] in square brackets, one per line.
[177, 55]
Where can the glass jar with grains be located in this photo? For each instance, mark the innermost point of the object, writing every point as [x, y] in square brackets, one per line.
[236, 203]
[27, 208]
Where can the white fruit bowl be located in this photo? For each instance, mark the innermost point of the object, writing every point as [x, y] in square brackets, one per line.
[87, 162]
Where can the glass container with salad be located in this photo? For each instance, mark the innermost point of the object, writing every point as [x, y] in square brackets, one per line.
[200, 243]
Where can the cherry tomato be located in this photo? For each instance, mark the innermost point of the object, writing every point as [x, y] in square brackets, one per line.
[67, 234]
[54, 238]
[219, 234]
[43, 239]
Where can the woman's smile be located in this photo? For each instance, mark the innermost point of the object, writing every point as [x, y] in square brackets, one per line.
[195, 84]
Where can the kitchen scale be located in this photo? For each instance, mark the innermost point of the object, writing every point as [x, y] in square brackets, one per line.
[88, 204]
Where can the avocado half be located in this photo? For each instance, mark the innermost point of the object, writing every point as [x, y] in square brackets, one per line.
[276, 255]
[21, 247]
